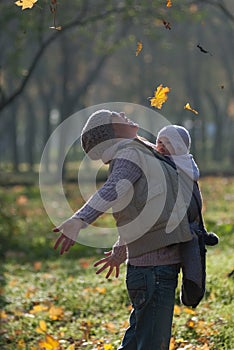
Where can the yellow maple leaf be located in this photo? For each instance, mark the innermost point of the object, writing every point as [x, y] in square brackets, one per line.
[191, 323]
[189, 108]
[108, 347]
[110, 326]
[160, 96]
[42, 328]
[56, 312]
[139, 47]
[189, 311]
[21, 344]
[177, 310]
[49, 343]
[71, 347]
[38, 308]
[101, 290]
[3, 314]
[169, 4]
[25, 4]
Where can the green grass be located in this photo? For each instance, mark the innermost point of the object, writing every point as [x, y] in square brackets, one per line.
[53, 302]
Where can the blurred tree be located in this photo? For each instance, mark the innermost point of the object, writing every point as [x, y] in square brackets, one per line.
[92, 59]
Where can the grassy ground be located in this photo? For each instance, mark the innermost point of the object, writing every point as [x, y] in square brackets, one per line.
[51, 302]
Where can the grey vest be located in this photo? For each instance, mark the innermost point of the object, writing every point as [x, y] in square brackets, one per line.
[153, 214]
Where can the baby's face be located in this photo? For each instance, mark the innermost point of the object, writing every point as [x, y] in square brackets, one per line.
[164, 146]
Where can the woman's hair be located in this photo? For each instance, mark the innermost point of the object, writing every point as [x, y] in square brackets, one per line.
[96, 132]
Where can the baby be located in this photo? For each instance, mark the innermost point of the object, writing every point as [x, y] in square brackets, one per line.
[174, 141]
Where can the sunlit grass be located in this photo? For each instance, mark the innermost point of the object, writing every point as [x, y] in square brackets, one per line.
[53, 302]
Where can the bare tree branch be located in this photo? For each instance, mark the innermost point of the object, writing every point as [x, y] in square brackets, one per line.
[219, 4]
[77, 22]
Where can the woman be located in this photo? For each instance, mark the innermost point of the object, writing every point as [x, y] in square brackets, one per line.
[149, 235]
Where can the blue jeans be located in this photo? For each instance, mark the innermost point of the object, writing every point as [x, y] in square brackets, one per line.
[152, 293]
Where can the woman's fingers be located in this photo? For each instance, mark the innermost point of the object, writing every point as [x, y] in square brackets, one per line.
[58, 241]
[99, 262]
[102, 268]
[116, 271]
[110, 271]
[65, 242]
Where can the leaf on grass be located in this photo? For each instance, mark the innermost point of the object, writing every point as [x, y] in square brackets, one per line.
[37, 265]
[101, 290]
[139, 47]
[21, 200]
[85, 263]
[177, 310]
[172, 344]
[108, 347]
[110, 326]
[160, 96]
[42, 328]
[56, 313]
[38, 308]
[71, 347]
[49, 343]
[189, 108]
[85, 327]
[25, 4]
[30, 292]
[190, 323]
[189, 311]
[21, 344]
[3, 315]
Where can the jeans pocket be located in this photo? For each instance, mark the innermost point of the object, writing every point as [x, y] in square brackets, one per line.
[137, 288]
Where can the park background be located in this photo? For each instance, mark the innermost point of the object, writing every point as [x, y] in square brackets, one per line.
[58, 58]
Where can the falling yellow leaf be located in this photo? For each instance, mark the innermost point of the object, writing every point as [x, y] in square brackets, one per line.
[49, 343]
[42, 328]
[169, 4]
[139, 47]
[160, 96]
[56, 313]
[25, 4]
[188, 107]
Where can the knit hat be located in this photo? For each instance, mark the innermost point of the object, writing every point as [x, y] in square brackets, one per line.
[97, 134]
[178, 136]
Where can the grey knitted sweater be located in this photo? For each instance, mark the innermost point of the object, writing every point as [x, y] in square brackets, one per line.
[124, 168]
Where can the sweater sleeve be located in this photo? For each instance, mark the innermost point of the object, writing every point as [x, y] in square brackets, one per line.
[124, 174]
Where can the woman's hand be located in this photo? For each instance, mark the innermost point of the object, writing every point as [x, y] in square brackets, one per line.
[70, 229]
[110, 263]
